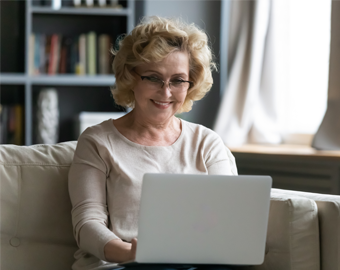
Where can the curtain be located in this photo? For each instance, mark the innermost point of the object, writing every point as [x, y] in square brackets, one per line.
[248, 111]
[328, 134]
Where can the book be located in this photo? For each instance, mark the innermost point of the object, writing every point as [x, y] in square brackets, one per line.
[36, 69]
[3, 123]
[82, 54]
[47, 49]
[104, 54]
[67, 50]
[91, 53]
[54, 54]
[31, 53]
[62, 69]
[114, 3]
[11, 124]
[42, 58]
[74, 56]
[18, 130]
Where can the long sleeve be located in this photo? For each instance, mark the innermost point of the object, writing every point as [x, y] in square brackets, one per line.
[219, 159]
[87, 189]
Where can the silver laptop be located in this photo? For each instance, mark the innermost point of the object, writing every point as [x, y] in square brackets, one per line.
[203, 219]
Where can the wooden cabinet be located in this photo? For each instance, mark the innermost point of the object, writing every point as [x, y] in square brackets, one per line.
[292, 167]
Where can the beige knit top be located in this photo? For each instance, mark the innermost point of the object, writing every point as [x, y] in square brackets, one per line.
[106, 175]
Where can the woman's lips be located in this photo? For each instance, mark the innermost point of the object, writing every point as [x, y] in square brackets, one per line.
[161, 104]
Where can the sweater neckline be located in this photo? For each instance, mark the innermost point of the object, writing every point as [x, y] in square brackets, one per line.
[149, 146]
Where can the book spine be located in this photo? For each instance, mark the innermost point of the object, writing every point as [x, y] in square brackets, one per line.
[18, 131]
[42, 52]
[63, 52]
[31, 53]
[52, 54]
[82, 54]
[74, 55]
[11, 125]
[103, 44]
[36, 55]
[4, 124]
[57, 54]
[91, 53]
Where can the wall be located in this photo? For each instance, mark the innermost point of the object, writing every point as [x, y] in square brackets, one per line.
[206, 14]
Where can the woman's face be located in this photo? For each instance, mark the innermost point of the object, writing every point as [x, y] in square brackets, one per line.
[159, 104]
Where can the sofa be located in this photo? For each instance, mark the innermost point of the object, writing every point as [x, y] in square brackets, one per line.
[36, 227]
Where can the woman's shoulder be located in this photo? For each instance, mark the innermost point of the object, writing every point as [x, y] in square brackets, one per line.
[96, 135]
[198, 130]
[99, 130]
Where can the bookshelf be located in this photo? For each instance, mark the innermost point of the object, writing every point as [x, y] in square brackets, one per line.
[19, 86]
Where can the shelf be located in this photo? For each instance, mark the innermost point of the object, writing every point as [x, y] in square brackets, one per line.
[98, 80]
[12, 78]
[82, 11]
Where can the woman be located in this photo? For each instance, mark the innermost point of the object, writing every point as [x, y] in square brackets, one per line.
[161, 67]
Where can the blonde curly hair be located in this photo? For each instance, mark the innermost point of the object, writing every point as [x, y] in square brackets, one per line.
[153, 40]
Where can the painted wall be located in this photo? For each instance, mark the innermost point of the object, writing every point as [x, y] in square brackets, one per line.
[206, 14]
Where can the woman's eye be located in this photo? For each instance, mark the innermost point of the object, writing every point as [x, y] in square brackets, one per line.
[153, 79]
[177, 81]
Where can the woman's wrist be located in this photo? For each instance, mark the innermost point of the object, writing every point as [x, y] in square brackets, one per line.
[117, 251]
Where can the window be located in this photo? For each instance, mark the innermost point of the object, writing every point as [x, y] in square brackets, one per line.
[302, 42]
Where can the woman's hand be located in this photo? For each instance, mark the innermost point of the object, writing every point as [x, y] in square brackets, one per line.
[119, 251]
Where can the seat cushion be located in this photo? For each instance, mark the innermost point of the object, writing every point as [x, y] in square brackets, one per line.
[293, 234]
[36, 226]
[329, 222]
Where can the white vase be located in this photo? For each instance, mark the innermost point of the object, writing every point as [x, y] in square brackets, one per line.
[48, 116]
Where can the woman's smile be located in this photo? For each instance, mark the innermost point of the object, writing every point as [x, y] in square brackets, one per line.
[161, 104]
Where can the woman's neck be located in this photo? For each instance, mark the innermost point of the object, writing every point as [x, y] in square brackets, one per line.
[149, 133]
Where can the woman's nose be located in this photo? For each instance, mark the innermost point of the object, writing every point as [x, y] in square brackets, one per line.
[166, 89]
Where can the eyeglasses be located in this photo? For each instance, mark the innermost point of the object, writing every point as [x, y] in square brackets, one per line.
[177, 85]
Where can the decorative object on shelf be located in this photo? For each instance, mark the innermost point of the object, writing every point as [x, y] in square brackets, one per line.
[89, 3]
[56, 4]
[47, 116]
[102, 3]
[83, 120]
[77, 3]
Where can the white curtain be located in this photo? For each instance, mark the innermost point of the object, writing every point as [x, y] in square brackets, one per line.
[248, 111]
[328, 135]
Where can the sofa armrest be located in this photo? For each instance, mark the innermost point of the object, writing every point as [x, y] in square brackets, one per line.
[293, 235]
[329, 223]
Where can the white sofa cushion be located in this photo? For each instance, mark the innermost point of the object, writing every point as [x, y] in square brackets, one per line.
[36, 226]
[329, 222]
[293, 234]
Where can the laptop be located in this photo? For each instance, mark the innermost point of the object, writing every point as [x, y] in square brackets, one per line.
[187, 219]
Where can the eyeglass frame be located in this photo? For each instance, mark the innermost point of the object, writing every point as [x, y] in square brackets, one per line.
[191, 84]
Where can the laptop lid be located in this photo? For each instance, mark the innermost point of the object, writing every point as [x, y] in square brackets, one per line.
[203, 219]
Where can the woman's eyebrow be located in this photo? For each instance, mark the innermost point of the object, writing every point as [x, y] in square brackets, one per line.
[151, 70]
[177, 74]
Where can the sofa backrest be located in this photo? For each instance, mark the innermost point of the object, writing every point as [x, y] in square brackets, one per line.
[36, 225]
